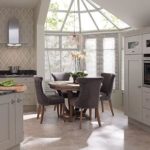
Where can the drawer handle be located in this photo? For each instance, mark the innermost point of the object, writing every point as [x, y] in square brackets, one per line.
[147, 116]
[147, 99]
[19, 100]
[12, 101]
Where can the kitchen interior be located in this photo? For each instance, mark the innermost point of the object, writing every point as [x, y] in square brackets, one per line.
[21, 58]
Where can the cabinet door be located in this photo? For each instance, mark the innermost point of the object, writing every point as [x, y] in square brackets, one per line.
[133, 86]
[146, 43]
[133, 45]
[7, 121]
[19, 118]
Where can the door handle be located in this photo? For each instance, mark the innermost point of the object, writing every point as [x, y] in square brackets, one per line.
[12, 101]
[19, 100]
[139, 86]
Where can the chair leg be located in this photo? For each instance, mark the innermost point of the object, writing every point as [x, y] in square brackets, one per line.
[61, 109]
[38, 111]
[81, 112]
[58, 110]
[55, 107]
[111, 108]
[102, 105]
[90, 113]
[98, 116]
[42, 114]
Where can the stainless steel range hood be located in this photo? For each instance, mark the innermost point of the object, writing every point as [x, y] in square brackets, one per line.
[13, 33]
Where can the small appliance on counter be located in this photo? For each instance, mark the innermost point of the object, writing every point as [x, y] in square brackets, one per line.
[14, 69]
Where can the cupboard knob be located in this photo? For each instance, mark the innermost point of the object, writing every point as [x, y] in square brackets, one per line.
[19, 100]
[12, 101]
[139, 86]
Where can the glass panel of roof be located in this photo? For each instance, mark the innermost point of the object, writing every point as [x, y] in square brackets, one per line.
[102, 22]
[88, 5]
[54, 20]
[93, 3]
[72, 23]
[74, 6]
[120, 24]
[82, 8]
[87, 23]
[59, 4]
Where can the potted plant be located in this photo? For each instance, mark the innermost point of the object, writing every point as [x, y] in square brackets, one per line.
[78, 74]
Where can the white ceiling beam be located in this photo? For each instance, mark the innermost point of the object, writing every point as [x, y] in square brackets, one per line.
[67, 15]
[90, 15]
[79, 16]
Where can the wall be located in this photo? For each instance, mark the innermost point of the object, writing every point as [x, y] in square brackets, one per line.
[24, 56]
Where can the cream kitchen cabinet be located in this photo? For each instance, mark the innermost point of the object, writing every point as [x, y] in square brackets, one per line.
[133, 86]
[133, 44]
[146, 43]
[29, 96]
[11, 124]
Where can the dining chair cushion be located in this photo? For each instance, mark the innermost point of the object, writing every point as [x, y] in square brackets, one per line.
[89, 93]
[61, 76]
[55, 99]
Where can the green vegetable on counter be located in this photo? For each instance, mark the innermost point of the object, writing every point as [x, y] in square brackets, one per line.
[8, 83]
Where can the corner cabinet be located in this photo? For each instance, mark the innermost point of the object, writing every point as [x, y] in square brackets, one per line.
[133, 86]
[133, 45]
[11, 116]
[146, 43]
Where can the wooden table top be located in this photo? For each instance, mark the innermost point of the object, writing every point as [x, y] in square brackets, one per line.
[64, 85]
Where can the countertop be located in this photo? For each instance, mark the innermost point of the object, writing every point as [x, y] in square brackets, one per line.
[6, 92]
[16, 76]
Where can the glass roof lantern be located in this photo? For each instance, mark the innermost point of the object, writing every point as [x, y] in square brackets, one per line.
[80, 16]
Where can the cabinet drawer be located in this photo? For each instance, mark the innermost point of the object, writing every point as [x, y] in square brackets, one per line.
[146, 116]
[146, 99]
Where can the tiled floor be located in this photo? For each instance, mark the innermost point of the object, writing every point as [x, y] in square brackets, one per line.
[55, 134]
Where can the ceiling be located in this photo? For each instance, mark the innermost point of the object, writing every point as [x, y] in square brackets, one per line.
[136, 13]
[18, 3]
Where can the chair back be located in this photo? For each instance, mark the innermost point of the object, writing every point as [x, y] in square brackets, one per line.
[107, 84]
[89, 92]
[62, 76]
[41, 97]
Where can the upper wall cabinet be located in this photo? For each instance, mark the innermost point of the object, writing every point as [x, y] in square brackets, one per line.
[146, 43]
[133, 45]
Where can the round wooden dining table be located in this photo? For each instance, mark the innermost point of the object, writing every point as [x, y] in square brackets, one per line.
[64, 86]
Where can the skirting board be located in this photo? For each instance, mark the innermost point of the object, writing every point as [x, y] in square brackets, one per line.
[139, 124]
[29, 108]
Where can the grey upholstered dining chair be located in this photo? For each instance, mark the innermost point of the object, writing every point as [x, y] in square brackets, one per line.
[88, 97]
[106, 90]
[44, 100]
[62, 76]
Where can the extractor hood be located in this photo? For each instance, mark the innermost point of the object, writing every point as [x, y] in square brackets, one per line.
[13, 33]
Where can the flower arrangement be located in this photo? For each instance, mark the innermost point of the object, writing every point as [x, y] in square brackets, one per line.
[78, 56]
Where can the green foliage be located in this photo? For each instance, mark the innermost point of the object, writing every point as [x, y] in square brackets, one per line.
[7, 83]
[78, 74]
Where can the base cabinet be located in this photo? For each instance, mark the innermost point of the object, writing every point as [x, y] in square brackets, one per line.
[133, 86]
[11, 116]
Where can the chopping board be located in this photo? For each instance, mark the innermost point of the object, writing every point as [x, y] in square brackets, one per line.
[16, 88]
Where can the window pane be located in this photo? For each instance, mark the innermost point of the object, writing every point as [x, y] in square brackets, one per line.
[52, 62]
[51, 41]
[66, 43]
[87, 23]
[102, 22]
[120, 24]
[109, 61]
[90, 45]
[54, 20]
[109, 43]
[67, 61]
[59, 4]
[72, 22]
